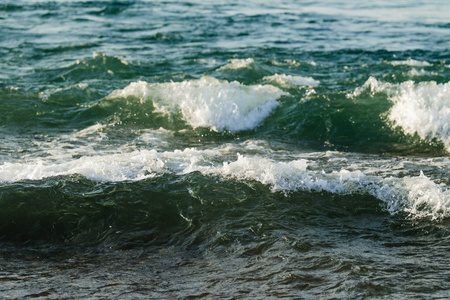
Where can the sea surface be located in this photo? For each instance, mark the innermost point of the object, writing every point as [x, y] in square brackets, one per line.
[225, 149]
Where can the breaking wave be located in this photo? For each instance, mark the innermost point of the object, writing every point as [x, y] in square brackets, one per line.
[208, 102]
[418, 108]
[416, 195]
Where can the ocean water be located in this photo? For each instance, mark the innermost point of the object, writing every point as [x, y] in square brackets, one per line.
[224, 149]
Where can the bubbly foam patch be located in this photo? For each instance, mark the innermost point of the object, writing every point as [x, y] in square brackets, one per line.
[290, 81]
[208, 102]
[422, 108]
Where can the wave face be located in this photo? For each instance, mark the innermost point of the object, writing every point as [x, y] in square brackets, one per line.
[201, 149]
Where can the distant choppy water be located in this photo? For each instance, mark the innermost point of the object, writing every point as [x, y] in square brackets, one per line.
[240, 149]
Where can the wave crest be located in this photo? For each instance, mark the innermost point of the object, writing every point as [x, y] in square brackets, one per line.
[422, 108]
[418, 196]
[208, 102]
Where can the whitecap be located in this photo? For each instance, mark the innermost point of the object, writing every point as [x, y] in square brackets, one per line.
[422, 108]
[289, 63]
[136, 165]
[208, 102]
[290, 81]
[416, 195]
[236, 64]
[414, 72]
[426, 198]
[410, 62]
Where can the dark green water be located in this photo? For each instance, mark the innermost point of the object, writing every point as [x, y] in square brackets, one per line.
[166, 149]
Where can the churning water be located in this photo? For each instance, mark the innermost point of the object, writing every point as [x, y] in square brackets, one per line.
[224, 149]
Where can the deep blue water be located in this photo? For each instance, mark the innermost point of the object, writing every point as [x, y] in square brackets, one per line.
[232, 149]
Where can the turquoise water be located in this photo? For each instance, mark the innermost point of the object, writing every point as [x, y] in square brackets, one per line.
[167, 149]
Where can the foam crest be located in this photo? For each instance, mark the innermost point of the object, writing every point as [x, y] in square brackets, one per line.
[426, 198]
[414, 72]
[422, 108]
[103, 56]
[418, 196]
[289, 63]
[410, 62]
[136, 165]
[208, 102]
[236, 64]
[288, 176]
[291, 81]
[372, 85]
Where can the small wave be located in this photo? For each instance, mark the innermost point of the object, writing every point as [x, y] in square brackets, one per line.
[426, 198]
[422, 108]
[289, 63]
[208, 102]
[289, 80]
[103, 56]
[236, 64]
[410, 62]
[414, 72]
[97, 66]
[46, 94]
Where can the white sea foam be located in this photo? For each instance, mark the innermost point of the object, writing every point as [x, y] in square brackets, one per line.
[417, 194]
[288, 176]
[290, 81]
[422, 108]
[426, 198]
[104, 56]
[288, 62]
[120, 166]
[414, 72]
[45, 95]
[136, 165]
[208, 102]
[410, 62]
[236, 64]
[373, 85]
[88, 131]
[155, 137]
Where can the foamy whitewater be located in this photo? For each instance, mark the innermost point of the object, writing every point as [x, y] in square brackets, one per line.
[208, 102]
[418, 108]
[224, 149]
[417, 195]
[289, 80]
